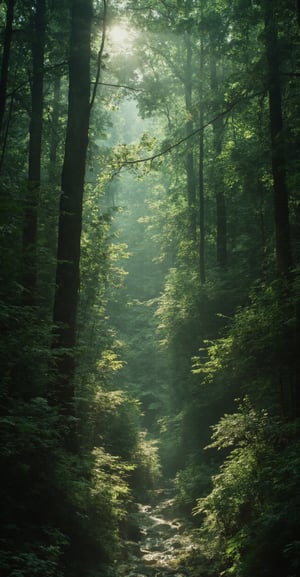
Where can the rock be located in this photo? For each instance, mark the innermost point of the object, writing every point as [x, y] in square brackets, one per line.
[148, 559]
[163, 543]
[159, 528]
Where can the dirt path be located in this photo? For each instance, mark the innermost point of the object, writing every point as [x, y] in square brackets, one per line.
[163, 546]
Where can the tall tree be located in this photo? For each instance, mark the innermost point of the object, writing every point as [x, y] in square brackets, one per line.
[280, 191]
[70, 218]
[8, 32]
[218, 176]
[35, 151]
[201, 171]
[54, 139]
[190, 170]
[298, 11]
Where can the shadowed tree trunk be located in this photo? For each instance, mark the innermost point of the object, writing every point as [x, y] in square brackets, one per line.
[201, 174]
[289, 383]
[70, 219]
[5, 60]
[218, 177]
[55, 140]
[34, 156]
[280, 192]
[190, 170]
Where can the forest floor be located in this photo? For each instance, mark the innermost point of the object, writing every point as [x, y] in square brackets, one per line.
[165, 545]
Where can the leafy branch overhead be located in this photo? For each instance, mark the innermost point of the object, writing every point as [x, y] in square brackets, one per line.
[192, 134]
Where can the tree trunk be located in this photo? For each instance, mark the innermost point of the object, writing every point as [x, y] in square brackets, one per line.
[218, 177]
[190, 170]
[70, 219]
[34, 157]
[201, 174]
[280, 192]
[298, 12]
[5, 61]
[55, 140]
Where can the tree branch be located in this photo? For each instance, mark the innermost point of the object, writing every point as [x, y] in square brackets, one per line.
[120, 86]
[100, 53]
[15, 90]
[182, 140]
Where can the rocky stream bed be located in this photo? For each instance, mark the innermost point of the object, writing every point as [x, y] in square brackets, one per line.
[164, 544]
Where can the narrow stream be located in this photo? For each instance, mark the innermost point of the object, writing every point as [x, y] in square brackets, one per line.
[164, 544]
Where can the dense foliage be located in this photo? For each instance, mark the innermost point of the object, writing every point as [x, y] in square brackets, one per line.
[149, 281]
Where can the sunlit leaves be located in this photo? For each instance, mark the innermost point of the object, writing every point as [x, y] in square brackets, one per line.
[109, 361]
[239, 429]
[213, 358]
[148, 468]
[251, 495]
[246, 359]
[109, 483]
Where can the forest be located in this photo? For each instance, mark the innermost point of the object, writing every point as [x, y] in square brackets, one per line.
[150, 288]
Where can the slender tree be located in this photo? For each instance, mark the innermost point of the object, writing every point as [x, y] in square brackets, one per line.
[190, 169]
[8, 33]
[34, 157]
[201, 172]
[280, 191]
[298, 11]
[54, 139]
[218, 176]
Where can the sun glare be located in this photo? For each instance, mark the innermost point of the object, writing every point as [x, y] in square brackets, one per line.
[119, 34]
